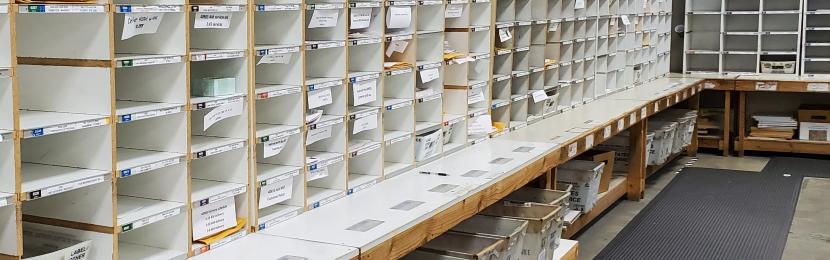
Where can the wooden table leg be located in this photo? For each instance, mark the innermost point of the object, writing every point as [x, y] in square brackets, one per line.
[739, 144]
[727, 122]
[637, 161]
[694, 103]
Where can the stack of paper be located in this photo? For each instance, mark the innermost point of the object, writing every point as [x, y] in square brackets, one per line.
[773, 126]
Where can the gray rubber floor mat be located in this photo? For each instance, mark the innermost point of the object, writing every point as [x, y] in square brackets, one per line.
[799, 167]
[712, 214]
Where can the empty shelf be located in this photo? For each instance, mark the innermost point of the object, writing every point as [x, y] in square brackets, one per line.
[395, 168]
[209, 102]
[203, 146]
[267, 132]
[130, 251]
[266, 91]
[322, 159]
[135, 212]
[40, 180]
[319, 196]
[125, 60]
[276, 214]
[39, 123]
[207, 191]
[135, 161]
[395, 103]
[391, 137]
[358, 182]
[128, 111]
[320, 83]
[421, 127]
[453, 147]
[450, 119]
[271, 173]
[360, 147]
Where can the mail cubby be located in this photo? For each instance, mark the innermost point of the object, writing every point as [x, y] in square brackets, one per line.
[781, 23]
[365, 148]
[65, 175]
[578, 69]
[521, 60]
[366, 20]
[400, 17]
[479, 70]
[429, 49]
[430, 16]
[740, 43]
[36, 237]
[398, 126]
[568, 8]
[10, 225]
[42, 32]
[217, 30]
[505, 11]
[457, 14]
[325, 22]
[520, 86]
[325, 73]
[523, 10]
[218, 206]
[537, 98]
[786, 44]
[502, 91]
[7, 106]
[814, 5]
[6, 39]
[589, 89]
[399, 52]
[364, 90]
[518, 112]
[604, 7]
[326, 170]
[481, 12]
[502, 65]
[816, 66]
[732, 5]
[428, 113]
[521, 35]
[478, 97]
[429, 82]
[500, 116]
[147, 32]
[740, 63]
[287, 14]
[565, 96]
[741, 23]
[505, 36]
[454, 133]
[577, 93]
[566, 72]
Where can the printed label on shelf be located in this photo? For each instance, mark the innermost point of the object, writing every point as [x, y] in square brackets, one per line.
[151, 219]
[589, 141]
[216, 8]
[502, 78]
[272, 194]
[480, 28]
[818, 87]
[621, 125]
[220, 149]
[365, 149]
[148, 9]
[519, 97]
[656, 108]
[453, 11]
[766, 86]
[429, 75]
[477, 96]
[644, 111]
[66, 127]
[606, 132]
[399, 105]
[625, 20]
[226, 240]
[217, 55]
[61, 9]
[362, 187]
[326, 123]
[364, 91]
[149, 167]
[140, 23]
[327, 84]
[324, 18]
[213, 218]
[504, 35]
[273, 146]
[396, 46]
[277, 93]
[318, 134]
[499, 104]
[429, 66]
[429, 98]
[572, 149]
[221, 113]
[220, 197]
[318, 98]
[149, 114]
[220, 102]
[398, 139]
[478, 85]
[328, 200]
[212, 21]
[277, 179]
[398, 17]
[320, 172]
[275, 58]
[365, 123]
[278, 7]
[360, 18]
[278, 220]
[454, 120]
[365, 41]
[48, 191]
[148, 61]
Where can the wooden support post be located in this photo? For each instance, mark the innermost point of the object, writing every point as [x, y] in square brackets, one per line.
[694, 103]
[727, 122]
[547, 180]
[637, 160]
[739, 143]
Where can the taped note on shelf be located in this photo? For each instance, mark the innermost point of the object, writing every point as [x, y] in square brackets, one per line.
[482, 124]
[504, 34]
[213, 21]
[552, 27]
[818, 87]
[222, 112]
[140, 23]
[572, 149]
[214, 218]
[589, 141]
[579, 4]
[276, 58]
[365, 123]
[625, 20]
[275, 193]
[274, 147]
[365, 91]
[453, 11]
[360, 18]
[324, 18]
[606, 132]
[318, 98]
[539, 96]
[317, 134]
[476, 97]
[398, 17]
[429, 75]
[396, 46]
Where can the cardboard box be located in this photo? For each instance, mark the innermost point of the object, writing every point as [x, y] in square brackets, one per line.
[814, 113]
[541, 222]
[814, 131]
[607, 171]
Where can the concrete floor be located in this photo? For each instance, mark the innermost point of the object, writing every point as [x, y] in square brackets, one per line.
[594, 239]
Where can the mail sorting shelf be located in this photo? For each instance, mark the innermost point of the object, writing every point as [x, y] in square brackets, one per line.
[816, 39]
[9, 206]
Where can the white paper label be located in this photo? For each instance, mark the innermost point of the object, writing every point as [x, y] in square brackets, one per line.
[273, 147]
[140, 23]
[396, 46]
[606, 133]
[278, 192]
[766, 86]
[318, 134]
[278, 58]
[579, 4]
[360, 18]
[539, 96]
[364, 91]
[429, 75]
[644, 112]
[365, 123]
[213, 21]
[632, 118]
[318, 98]
[589, 141]
[213, 218]
[656, 107]
[398, 17]
[481, 125]
[620, 125]
[709, 85]
[818, 87]
[324, 18]
[572, 149]
[504, 34]
[625, 20]
[478, 96]
[320, 172]
[222, 112]
[453, 11]
[552, 27]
